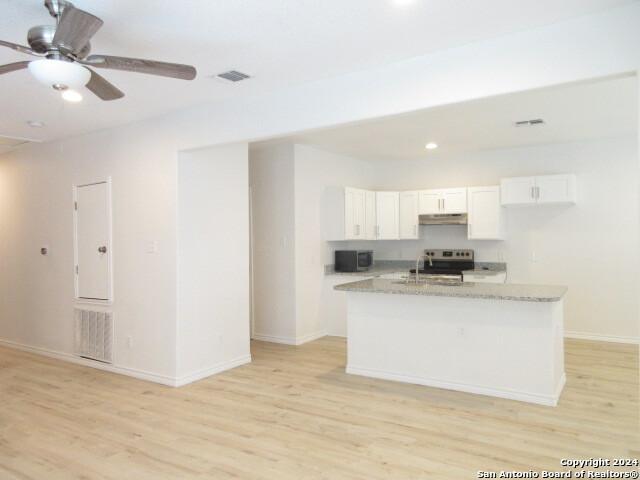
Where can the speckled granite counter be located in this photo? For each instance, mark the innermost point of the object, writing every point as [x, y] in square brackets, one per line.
[514, 292]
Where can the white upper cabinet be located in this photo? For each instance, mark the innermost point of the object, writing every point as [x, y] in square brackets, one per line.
[485, 220]
[370, 215]
[547, 189]
[409, 215]
[556, 189]
[387, 215]
[430, 202]
[443, 201]
[354, 214]
[454, 200]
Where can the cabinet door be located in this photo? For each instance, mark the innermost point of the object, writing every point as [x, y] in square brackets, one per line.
[370, 215]
[454, 200]
[387, 215]
[354, 214]
[518, 191]
[409, 215]
[485, 213]
[430, 202]
[556, 189]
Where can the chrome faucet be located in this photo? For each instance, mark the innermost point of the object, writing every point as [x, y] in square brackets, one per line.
[427, 257]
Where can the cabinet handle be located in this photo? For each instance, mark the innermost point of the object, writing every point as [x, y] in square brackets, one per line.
[358, 230]
[377, 230]
[443, 207]
[537, 192]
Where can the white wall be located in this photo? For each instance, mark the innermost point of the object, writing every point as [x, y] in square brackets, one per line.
[213, 260]
[273, 231]
[315, 170]
[590, 247]
[36, 208]
[288, 183]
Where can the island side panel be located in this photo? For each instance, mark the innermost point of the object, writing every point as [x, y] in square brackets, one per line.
[508, 349]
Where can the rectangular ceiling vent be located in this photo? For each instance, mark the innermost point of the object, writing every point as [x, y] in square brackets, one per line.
[233, 76]
[529, 123]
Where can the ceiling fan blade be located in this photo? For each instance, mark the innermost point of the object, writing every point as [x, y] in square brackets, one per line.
[75, 29]
[151, 67]
[12, 67]
[102, 88]
[18, 48]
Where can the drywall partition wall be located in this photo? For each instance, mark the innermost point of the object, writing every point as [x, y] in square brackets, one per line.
[213, 261]
[36, 292]
[590, 247]
[315, 170]
[273, 243]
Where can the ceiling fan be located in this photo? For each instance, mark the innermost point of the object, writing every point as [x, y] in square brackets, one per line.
[64, 49]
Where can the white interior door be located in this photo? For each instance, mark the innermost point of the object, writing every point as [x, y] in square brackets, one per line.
[93, 246]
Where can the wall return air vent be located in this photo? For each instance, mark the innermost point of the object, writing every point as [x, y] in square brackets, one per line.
[529, 123]
[233, 76]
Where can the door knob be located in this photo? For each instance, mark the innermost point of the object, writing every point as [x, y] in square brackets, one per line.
[102, 249]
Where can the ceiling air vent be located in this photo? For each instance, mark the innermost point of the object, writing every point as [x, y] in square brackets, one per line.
[529, 123]
[233, 76]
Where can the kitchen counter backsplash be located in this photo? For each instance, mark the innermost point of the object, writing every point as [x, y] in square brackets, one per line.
[381, 267]
[490, 266]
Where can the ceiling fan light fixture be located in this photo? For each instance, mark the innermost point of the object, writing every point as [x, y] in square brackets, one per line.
[71, 96]
[60, 74]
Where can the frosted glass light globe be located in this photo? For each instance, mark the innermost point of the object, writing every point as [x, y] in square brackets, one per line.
[58, 72]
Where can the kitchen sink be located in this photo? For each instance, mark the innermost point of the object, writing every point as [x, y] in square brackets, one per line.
[430, 281]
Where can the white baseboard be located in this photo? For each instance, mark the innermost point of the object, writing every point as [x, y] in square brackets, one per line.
[207, 372]
[129, 372]
[541, 399]
[289, 340]
[602, 338]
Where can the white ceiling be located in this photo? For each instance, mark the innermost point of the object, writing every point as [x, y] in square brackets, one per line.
[584, 111]
[280, 42]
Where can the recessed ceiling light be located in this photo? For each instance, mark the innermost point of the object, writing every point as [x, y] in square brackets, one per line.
[35, 123]
[71, 96]
[402, 3]
[431, 146]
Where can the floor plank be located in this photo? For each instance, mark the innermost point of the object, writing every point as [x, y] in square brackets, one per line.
[294, 414]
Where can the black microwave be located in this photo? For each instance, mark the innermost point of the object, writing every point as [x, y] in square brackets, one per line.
[353, 260]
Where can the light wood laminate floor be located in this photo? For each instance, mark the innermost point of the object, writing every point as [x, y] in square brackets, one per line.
[294, 414]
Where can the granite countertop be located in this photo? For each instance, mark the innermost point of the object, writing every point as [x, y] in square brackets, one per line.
[491, 291]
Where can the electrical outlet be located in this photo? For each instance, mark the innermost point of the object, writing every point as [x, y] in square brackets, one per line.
[129, 342]
[152, 247]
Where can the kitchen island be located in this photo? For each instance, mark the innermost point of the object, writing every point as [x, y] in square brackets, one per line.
[504, 340]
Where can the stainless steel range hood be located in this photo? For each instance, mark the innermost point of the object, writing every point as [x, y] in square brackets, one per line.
[444, 219]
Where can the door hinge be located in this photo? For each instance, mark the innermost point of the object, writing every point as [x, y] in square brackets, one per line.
[75, 205]
[76, 269]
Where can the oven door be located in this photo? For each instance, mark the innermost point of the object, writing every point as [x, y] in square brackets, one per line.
[365, 259]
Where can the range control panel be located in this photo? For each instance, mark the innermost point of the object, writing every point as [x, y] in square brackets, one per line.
[466, 255]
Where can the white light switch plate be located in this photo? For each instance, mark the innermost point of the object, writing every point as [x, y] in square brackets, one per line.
[152, 247]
